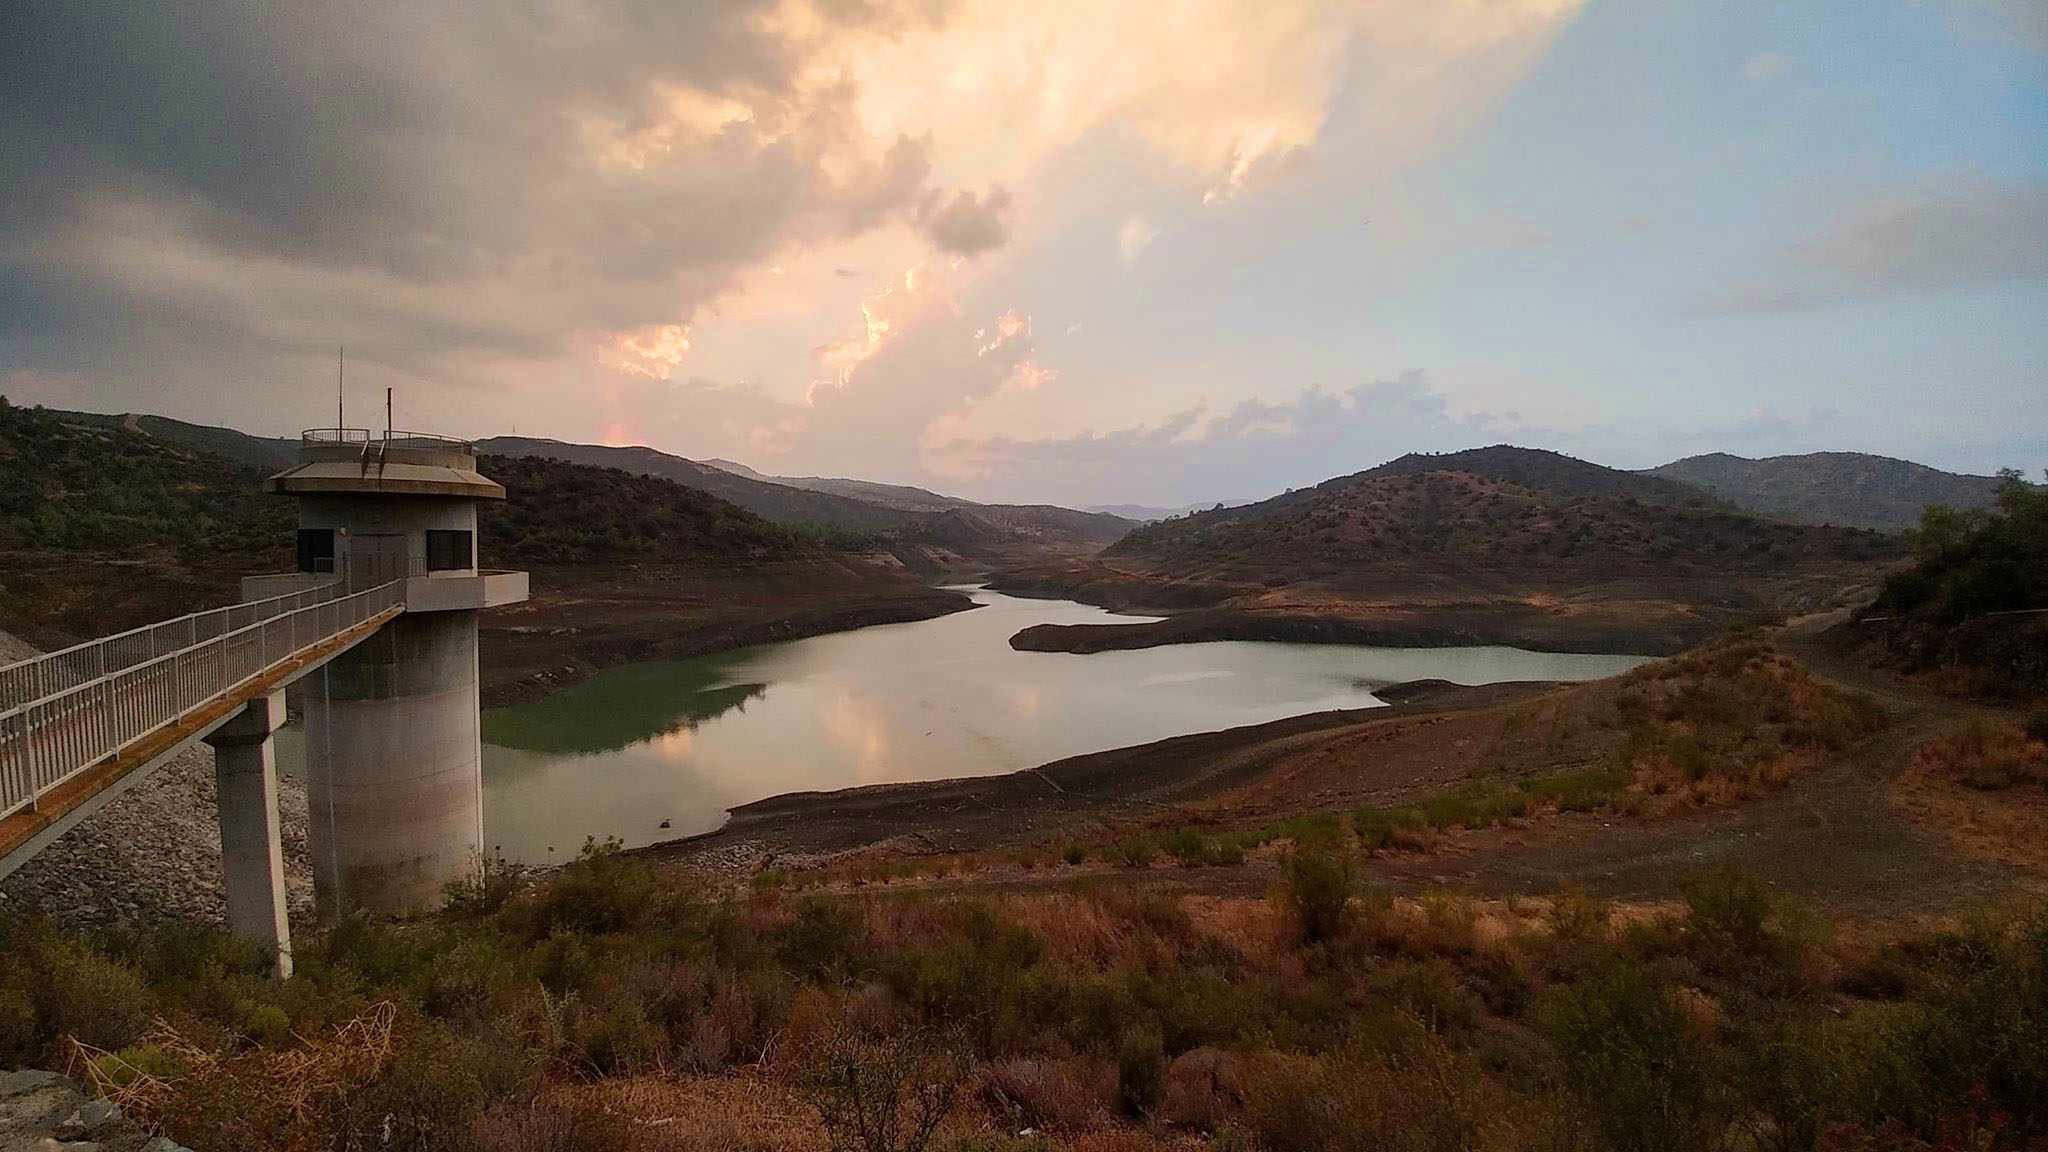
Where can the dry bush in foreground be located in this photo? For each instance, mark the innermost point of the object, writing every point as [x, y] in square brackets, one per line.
[1987, 754]
[885, 1094]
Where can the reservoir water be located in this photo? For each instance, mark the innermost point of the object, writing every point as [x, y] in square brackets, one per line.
[683, 741]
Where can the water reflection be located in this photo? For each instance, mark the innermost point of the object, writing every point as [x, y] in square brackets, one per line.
[680, 742]
[622, 706]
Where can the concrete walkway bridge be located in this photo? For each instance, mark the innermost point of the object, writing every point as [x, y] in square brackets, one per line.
[388, 530]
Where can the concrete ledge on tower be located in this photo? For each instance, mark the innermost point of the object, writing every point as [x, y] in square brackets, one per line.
[463, 591]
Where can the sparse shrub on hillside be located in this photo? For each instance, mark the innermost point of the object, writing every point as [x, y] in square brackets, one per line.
[1141, 1071]
[1987, 754]
[1730, 720]
[1317, 884]
[1636, 1062]
[1133, 849]
[1195, 848]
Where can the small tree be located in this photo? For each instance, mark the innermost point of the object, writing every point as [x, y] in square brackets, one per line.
[885, 1094]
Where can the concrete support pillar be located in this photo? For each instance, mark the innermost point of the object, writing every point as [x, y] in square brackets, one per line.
[251, 849]
[394, 767]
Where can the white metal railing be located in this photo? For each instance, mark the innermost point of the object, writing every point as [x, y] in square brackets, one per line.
[48, 740]
[372, 436]
[53, 672]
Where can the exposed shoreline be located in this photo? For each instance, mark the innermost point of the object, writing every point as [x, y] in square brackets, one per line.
[961, 814]
[1455, 626]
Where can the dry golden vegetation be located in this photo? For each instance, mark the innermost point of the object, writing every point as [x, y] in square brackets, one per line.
[1987, 754]
[615, 1006]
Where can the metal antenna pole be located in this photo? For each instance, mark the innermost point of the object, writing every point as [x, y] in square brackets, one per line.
[340, 370]
[387, 413]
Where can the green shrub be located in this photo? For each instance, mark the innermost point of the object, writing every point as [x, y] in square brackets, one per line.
[1581, 790]
[1376, 826]
[823, 937]
[1729, 923]
[602, 891]
[1636, 1064]
[1317, 889]
[1195, 850]
[265, 1023]
[1075, 853]
[1141, 1071]
[1132, 850]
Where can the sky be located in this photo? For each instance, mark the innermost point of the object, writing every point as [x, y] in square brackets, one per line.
[1163, 253]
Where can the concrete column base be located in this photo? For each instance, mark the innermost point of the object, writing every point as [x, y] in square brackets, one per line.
[251, 848]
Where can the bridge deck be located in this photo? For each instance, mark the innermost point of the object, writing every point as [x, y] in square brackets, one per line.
[65, 750]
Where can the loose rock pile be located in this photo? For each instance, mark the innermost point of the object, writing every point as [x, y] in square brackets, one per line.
[44, 1112]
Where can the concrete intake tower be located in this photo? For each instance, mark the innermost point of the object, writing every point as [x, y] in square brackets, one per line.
[394, 756]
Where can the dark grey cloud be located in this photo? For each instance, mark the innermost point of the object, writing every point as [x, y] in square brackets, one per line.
[196, 190]
[967, 224]
[1913, 240]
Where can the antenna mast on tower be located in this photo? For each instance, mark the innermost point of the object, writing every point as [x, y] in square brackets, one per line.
[340, 369]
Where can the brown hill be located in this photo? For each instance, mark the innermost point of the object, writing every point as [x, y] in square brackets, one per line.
[923, 530]
[1493, 545]
[1521, 514]
[1848, 488]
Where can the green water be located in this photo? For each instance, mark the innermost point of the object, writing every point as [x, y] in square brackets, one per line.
[683, 741]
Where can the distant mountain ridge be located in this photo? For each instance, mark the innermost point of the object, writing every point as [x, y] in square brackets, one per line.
[1851, 489]
[901, 496]
[1520, 515]
[1147, 513]
[892, 513]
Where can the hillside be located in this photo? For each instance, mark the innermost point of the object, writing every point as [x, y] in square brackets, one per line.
[1045, 524]
[777, 502]
[103, 528]
[1521, 512]
[1496, 544]
[1852, 489]
[899, 496]
[922, 529]
[556, 512]
[110, 522]
[270, 453]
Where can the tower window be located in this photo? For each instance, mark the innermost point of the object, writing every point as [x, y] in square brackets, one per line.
[316, 549]
[448, 549]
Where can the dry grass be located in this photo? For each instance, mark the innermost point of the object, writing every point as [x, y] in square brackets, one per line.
[1986, 754]
[1978, 784]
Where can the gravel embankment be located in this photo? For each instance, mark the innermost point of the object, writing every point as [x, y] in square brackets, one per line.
[153, 853]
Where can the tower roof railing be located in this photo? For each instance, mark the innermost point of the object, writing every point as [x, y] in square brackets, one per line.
[373, 436]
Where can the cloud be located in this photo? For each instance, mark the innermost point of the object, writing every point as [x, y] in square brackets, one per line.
[1251, 449]
[1765, 66]
[442, 191]
[1908, 240]
[654, 353]
[1132, 238]
[966, 225]
[552, 211]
